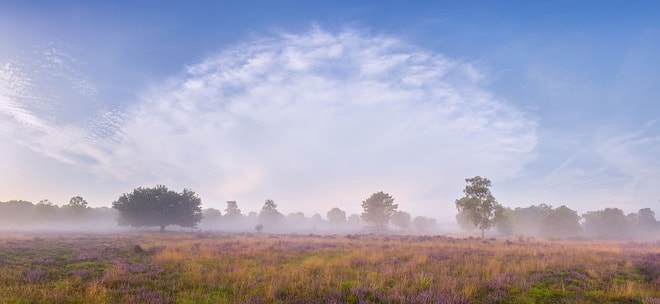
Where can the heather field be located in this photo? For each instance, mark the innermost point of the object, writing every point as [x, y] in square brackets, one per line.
[182, 267]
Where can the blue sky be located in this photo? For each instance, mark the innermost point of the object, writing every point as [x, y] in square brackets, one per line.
[319, 104]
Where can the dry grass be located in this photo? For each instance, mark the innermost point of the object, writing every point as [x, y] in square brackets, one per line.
[218, 268]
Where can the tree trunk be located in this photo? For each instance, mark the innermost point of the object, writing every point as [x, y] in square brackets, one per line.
[482, 232]
[162, 228]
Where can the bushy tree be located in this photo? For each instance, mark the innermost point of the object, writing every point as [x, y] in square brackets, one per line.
[402, 220]
[378, 209]
[479, 203]
[148, 207]
[336, 216]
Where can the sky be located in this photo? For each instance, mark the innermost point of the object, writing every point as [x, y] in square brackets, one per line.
[319, 104]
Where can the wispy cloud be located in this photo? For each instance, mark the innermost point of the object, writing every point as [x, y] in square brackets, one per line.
[610, 170]
[313, 119]
[47, 105]
[320, 118]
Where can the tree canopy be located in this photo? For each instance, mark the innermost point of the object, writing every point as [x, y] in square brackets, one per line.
[479, 204]
[158, 206]
[378, 209]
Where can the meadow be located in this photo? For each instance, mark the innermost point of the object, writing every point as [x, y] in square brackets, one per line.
[195, 267]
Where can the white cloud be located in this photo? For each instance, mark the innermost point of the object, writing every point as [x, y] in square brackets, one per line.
[312, 120]
[322, 118]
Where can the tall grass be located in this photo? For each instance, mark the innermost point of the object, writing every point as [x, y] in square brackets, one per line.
[218, 268]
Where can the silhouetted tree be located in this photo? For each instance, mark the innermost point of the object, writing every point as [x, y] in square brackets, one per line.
[402, 220]
[336, 216]
[158, 206]
[378, 209]
[479, 203]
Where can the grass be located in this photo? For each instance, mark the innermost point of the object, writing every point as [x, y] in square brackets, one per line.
[259, 268]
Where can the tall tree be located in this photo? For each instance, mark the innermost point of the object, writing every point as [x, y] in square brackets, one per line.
[158, 206]
[479, 204]
[378, 209]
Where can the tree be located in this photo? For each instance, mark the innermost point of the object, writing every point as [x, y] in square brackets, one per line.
[15, 212]
[76, 207]
[401, 219]
[148, 207]
[336, 216]
[646, 219]
[378, 209]
[607, 223]
[479, 203]
[45, 211]
[232, 211]
[424, 224]
[269, 213]
[561, 222]
[77, 202]
[211, 215]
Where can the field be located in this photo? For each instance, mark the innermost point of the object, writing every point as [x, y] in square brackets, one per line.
[258, 268]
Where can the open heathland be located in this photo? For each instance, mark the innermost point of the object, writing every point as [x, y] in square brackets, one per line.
[180, 267]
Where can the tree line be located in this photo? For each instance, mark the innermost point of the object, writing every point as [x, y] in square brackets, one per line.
[477, 209]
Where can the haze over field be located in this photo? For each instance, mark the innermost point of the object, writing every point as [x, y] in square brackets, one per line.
[319, 105]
